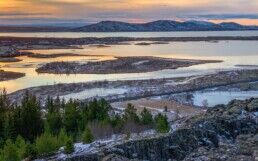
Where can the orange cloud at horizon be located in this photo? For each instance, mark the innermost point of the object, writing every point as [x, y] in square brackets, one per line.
[126, 10]
[243, 21]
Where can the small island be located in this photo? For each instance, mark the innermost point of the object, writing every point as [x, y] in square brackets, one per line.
[119, 65]
[5, 75]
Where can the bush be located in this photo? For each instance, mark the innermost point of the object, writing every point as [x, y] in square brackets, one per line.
[62, 138]
[14, 151]
[31, 151]
[161, 124]
[46, 144]
[21, 145]
[69, 148]
[10, 152]
[87, 136]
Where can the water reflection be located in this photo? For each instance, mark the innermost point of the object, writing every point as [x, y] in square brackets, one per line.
[231, 52]
[221, 97]
[131, 34]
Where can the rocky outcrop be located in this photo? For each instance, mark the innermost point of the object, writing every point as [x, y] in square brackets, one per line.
[224, 133]
[245, 148]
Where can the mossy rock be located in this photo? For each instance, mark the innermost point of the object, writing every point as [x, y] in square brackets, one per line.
[235, 110]
[253, 106]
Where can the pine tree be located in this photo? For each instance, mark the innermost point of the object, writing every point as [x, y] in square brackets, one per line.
[117, 121]
[71, 118]
[53, 117]
[9, 126]
[161, 123]
[31, 121]
[87, 136]
[3, 109]
[130, 113]
[146, 117]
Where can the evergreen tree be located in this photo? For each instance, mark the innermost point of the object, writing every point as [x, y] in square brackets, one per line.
[71, 118]
[117, 121]
[3, 109]
[146, 117]
[102, 110]
[53, 117]
[31, 121]
[130, 113]
[161, 123]
[9, 126]
[87, 136]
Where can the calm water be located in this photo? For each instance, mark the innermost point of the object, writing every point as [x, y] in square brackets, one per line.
[132, 34]
[213, 98]
[231, 52]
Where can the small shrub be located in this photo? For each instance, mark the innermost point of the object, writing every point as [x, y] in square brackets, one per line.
[10, 152]
[46, 144]
[62, 138]
[21, 145]
[31, 151]
[69, 148]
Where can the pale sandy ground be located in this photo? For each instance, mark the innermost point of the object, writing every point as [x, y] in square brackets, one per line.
[175, 109]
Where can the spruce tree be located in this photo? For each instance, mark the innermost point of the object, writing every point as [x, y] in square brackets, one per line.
[87, 136]
[31, 121]
[130, 113]
[71, 118]
[146, 117]
[53, 117]
[161, 123]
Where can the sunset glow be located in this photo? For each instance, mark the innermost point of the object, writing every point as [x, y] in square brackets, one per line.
[128, 10]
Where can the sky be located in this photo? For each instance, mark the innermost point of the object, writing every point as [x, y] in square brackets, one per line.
[137, 11]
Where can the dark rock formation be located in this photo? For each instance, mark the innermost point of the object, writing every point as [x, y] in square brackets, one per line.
[224, 133]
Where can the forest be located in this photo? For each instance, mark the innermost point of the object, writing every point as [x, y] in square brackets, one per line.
[32, 129]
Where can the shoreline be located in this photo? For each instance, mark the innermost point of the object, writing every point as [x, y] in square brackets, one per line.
[136, 89]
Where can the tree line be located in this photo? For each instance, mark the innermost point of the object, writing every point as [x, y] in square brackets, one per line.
[28, 131]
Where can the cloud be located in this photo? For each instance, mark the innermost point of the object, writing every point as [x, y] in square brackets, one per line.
[129, 10]
[8, 14]
[226, 16]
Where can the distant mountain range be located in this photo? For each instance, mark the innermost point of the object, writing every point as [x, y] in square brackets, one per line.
[116, 26]
[162, 25]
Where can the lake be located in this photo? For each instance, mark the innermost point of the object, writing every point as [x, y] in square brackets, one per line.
[131, 34]
[232, 53]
